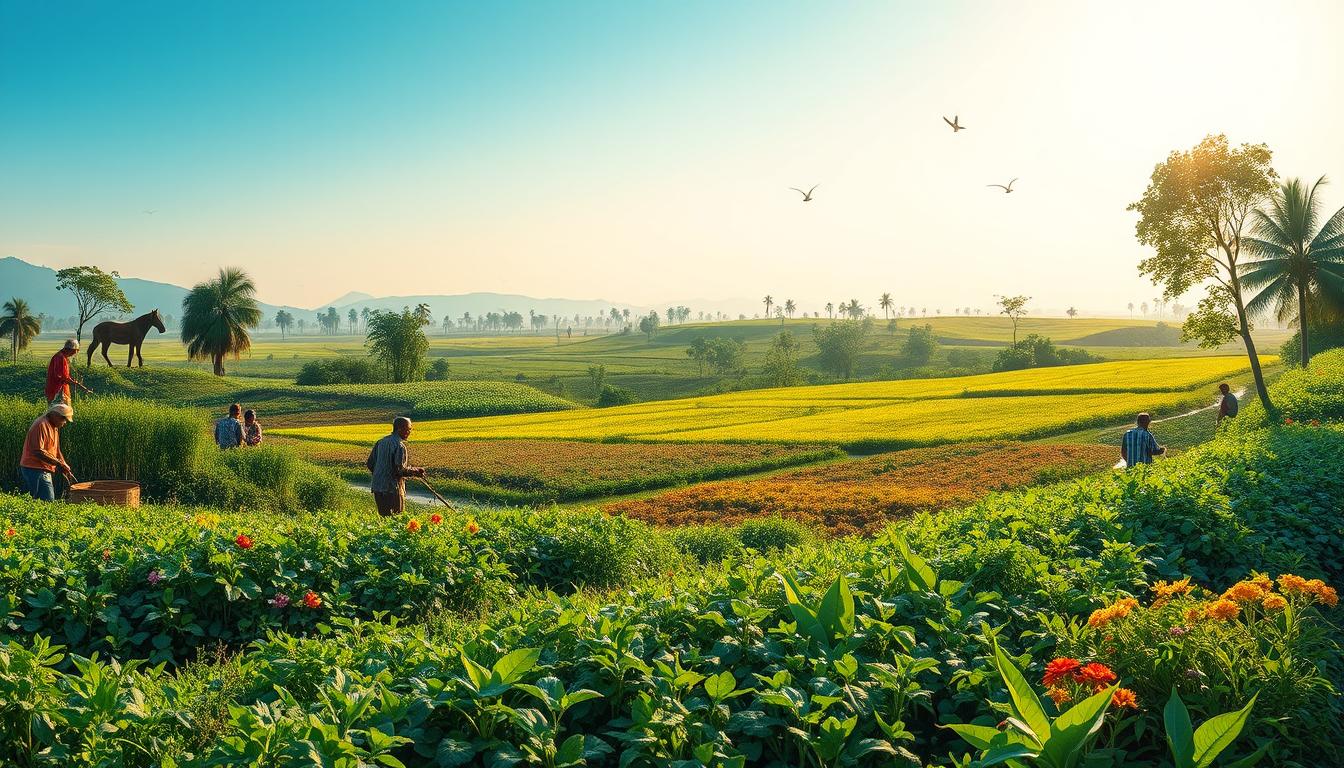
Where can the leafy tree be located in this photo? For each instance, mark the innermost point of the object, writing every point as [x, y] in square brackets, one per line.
[447, 324]
[1193, 214]
[397, 340]
[1131, 309]
[1071, 312]
[1039, 352]
[598, 375]
[95, 292]
[781, 361]
[352, 317]
[283, 320]
[1295, 263]
[790, 308]
[216, 316]
[699, 352]
[725, 355]
[422, 314]
[919, 345]
[840, 343]
[364, 316]
[614, 396]
[19, 324]
[1144, 308]
[648, 324]
[1014, 307]
[438, 370]
[830, 310]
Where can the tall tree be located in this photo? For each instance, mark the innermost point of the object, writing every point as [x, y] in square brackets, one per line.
[1193, 214]
[1295, 261]
[95, 292]
[352, 317]
[364, 316]
[19, 324]
[1131, 309]
[699, 352]
[830, 310]
[769, 302]
[790, 308]
[282, 321]
[397, 340]
[216, 316]
[648, 325]
[885, 303]
[1014, 307]
[447, 324]
[840, 343]
[1071, 312]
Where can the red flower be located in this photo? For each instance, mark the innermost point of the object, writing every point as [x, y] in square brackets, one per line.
[1288, 420]
[413, 525]
[311, 600]
[1060, 669]
[473, 528]
[243, 541]
[10, 533]
[1124, 698]
[436, 518]
[1095, 675]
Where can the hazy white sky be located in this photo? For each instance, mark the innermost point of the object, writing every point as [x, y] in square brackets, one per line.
[642, 154]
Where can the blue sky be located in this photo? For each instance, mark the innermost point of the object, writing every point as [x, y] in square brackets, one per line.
[636, 151]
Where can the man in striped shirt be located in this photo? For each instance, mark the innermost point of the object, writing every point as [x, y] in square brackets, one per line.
[1138, 445]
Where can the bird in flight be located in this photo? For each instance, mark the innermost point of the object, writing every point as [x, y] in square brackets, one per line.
[1006, 190]
[955, 123]
[807, 196]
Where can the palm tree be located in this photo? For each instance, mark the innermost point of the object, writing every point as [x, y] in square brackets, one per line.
[790, 308]
[216, 315]
[830, 310]
[19, 324]
[885, 303]
[769, 302]
[1296, 260]
[283, 320]
[1131, 309]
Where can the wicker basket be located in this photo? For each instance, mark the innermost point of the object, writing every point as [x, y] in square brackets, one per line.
[119, 493]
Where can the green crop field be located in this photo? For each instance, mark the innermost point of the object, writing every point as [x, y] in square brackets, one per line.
[898, 413]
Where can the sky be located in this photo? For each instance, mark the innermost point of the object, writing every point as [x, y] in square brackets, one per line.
[640, 152]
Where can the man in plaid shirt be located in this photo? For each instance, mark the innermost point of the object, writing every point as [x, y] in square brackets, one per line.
[1138, 445]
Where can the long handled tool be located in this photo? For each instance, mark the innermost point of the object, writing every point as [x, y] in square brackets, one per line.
[436, 494]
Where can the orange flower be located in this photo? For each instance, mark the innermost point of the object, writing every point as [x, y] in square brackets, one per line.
[413, 525]
[436, 518]
[1095, 675]
[1224, 610]
[1103, 616]
[1194, 614]
[1289, 584]
[1274, 603]
[1165, 589]
[1288, 420]
[1124, 698]
[1263, 582]
[107, 554]
[311, 600]
[473, 528]
[1059, 669]
[10, 533]
[1326, 595]
[1244, 592]
[1128, 603]
[1315, 422]
[1058, 695]
[243, 541]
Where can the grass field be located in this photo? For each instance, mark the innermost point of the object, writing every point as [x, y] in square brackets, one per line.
[864, 495]
[866, 415]
[539, 471]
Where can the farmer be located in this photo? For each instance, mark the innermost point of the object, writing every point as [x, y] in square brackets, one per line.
[229, 430]
[390, 465]
[42, 453]
[1227, 405]
[1138, 445]
[251, 428]
[58, 374]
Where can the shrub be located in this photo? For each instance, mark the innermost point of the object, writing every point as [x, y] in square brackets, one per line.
[437, 370]
[1039, 352]
[340, 370]
[768, 534]
[706, 543]
[614, 395]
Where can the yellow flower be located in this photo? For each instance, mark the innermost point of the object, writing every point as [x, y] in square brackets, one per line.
[1194, 614]
[1263, 582]
[1274, 603]
[1129, 603]
[206, 520]
[1244, 592]
[1165, 589]
[1103, 616]
[1289, 584]
[1223, 610]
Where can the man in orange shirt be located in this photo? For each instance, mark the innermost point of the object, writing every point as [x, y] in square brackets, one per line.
[42, 453]
[58, 374]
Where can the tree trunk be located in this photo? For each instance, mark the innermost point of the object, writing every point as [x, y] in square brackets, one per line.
[219, 364]
[1245, 330]
[1302, 323]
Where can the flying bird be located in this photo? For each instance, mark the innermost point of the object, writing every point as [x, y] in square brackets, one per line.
[1006, 190]
[807, 196]
[955, 123]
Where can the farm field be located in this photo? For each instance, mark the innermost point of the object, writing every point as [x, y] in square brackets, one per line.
[540, 471]
[863, 496]
[866, 415]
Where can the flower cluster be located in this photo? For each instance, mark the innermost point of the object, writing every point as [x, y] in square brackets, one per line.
[243, 541]
[1066, 679]
[435, 518]
[206, 519]
[413, 526]
[10, 533]
[311, 600]
[473, 528]
[1317, 589]
[281, 600]
[1119, 610]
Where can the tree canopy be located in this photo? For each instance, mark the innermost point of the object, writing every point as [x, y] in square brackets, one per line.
[95, 292]
[840, 343]
[216, 316]
[20, 325]
[397, 340]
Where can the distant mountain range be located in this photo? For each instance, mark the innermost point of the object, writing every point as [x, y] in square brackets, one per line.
[37, 285]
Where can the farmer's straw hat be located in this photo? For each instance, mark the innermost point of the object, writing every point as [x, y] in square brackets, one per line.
[63, 410]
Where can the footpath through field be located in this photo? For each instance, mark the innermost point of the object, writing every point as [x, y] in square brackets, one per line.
[866, 415]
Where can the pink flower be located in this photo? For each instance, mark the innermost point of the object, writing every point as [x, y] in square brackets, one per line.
[280, 600]
[154, 577]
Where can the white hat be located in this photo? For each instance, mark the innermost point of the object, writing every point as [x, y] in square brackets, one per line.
[63, 410]
[71, 344]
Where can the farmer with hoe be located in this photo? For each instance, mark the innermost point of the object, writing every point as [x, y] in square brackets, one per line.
[390, 465]
[1138, 446]
[42, 453]
[58, 374]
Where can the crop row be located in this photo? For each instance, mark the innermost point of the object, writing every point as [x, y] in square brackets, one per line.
[532, 471]
[864, 495]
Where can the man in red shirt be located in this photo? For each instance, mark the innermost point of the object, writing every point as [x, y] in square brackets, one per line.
[58, 374]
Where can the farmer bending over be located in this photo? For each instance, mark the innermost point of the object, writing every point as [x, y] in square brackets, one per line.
[1138, 445]
[58, 374]
[390, 465]
[229, 430]
[42, 453]
[1227, 404]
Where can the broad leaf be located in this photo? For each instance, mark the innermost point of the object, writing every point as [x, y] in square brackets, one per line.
[836, 612]
[1218, 733]
[513, 665]
[1180, 732]
[1025, 703]
[1070, 732]
[720, 686]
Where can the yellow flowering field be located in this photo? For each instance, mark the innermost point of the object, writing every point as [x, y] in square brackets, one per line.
[1016, 404]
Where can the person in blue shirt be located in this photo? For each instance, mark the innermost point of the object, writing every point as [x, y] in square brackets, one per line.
[1138, 446]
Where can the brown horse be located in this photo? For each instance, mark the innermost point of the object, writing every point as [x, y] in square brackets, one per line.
[108, 333]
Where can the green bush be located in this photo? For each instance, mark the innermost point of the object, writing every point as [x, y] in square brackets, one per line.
[613, 395]
[706, 543]
[768, 534]
[340, 370]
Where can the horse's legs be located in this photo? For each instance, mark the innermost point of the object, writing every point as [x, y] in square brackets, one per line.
[92, 347]
[139, 355]
[130, 356]
[106, 346]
